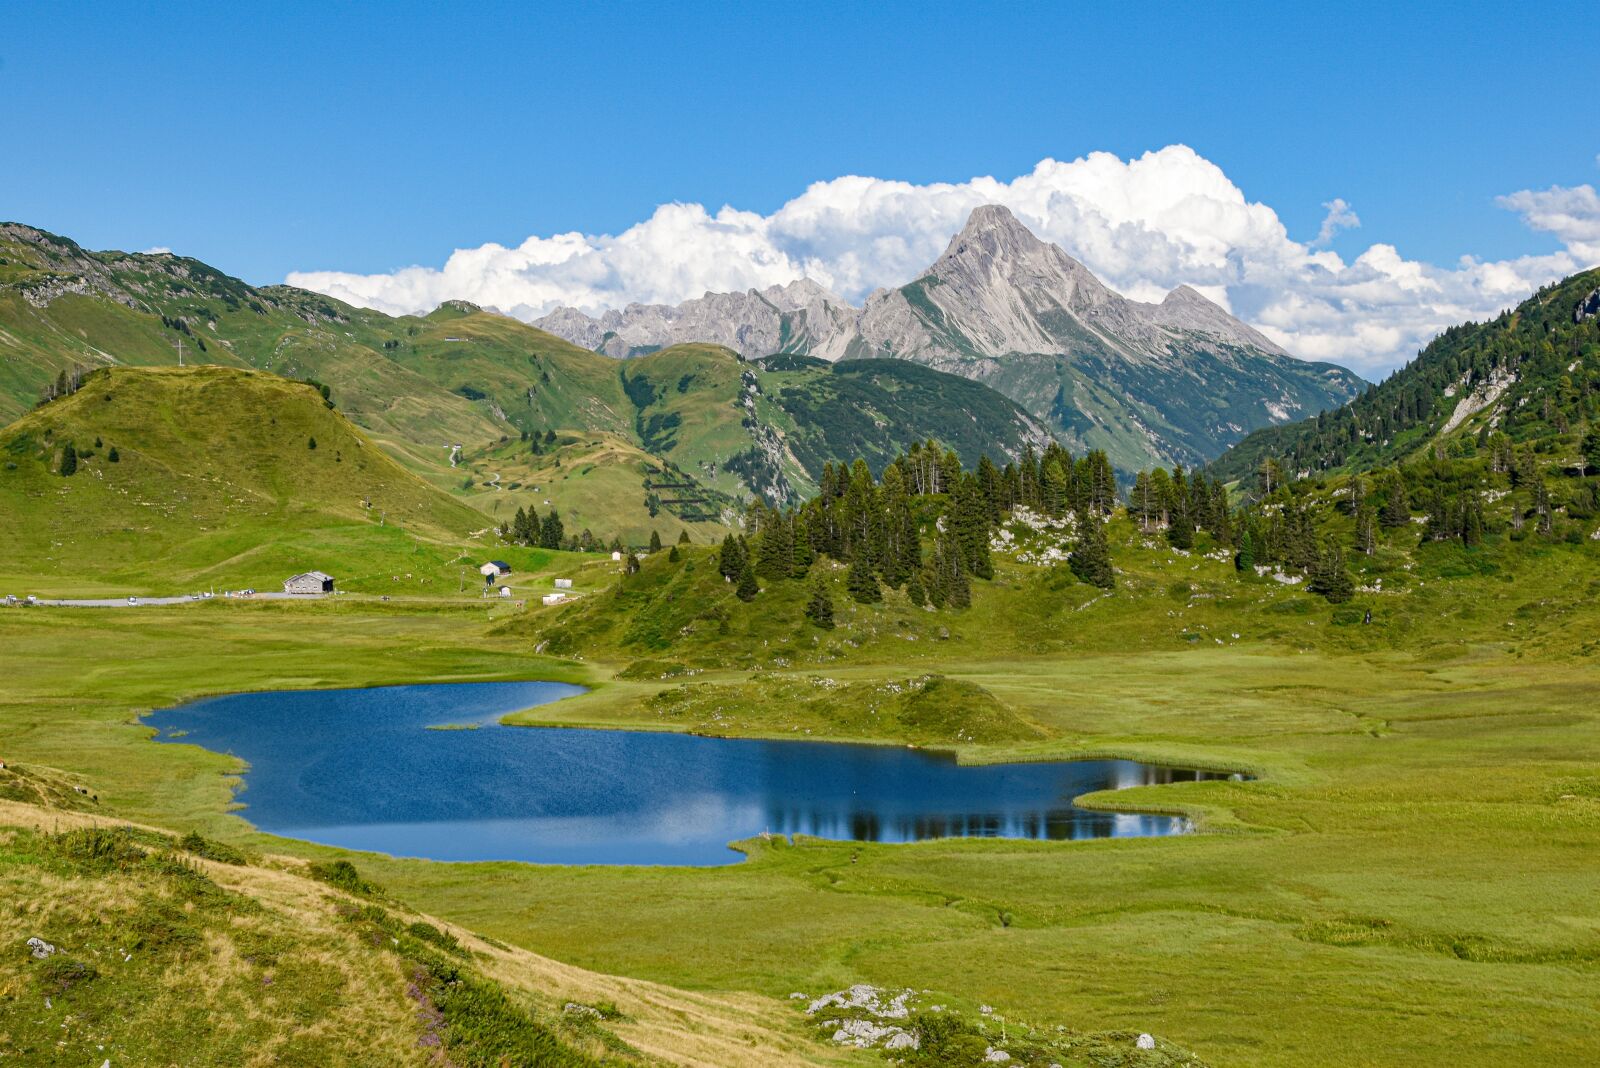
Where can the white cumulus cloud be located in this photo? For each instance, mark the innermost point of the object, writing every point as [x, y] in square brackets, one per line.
[1339, 217]
[1571, 214]
[1144, 225]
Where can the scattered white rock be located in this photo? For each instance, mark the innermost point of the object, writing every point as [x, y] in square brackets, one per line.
[903, 1040]
[40, 948]
[1146, 1042]
[867, 998]
[864, 1034]
[998, 1056]
[572, 1008]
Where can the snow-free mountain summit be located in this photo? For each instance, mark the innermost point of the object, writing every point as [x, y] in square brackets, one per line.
[1177, 381]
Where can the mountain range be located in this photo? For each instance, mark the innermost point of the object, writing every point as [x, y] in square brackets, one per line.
[1177, 381]
[498, 413]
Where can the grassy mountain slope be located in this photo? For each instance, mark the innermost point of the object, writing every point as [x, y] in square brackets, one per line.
[1146, 413]
[600, 482]
[866, 407]
[61, 305]
[215, 481]
[269, 960]
[1532, 374]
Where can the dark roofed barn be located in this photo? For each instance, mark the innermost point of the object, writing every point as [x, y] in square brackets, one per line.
[310, 582]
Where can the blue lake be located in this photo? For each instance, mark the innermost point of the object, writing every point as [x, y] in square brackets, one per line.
[360, 769]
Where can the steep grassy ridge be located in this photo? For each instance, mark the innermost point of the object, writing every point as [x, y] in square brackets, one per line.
[1532, 374]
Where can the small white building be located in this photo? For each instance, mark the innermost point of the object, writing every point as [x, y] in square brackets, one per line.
[616, 556]
[309, 583]
[495, 569]
[505, 591]
[553, 598]
[563, 584]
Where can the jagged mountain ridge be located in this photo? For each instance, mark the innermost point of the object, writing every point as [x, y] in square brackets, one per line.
[1177, 381]
[801, 317]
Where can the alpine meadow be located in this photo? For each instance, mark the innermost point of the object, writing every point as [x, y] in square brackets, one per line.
[1062, 621]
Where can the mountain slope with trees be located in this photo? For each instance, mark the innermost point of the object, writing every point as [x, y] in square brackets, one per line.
[1528, 379]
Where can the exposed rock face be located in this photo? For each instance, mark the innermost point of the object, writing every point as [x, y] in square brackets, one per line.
[1587, 308]
[799, 317]
[999, 290]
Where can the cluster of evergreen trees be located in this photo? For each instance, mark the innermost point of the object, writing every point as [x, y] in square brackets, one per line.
[1305, 525]
[923, 525]
[65, 384]
[528, 529]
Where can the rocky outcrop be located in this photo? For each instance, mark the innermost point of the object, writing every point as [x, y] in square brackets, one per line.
[1587, 308]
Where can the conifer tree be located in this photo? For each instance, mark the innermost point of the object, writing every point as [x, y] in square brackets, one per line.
[655, 542]
[936, 578]
[551, 533]
[775, 548]
[728, 562]
[69, 459]
[1245, 559]
[747, 587]
[862, 583]
[1591, 449]
[674, 555]
[1180, 526]
[113, 456]
[902, 554]
[630, 566]
[914, 590]
[683, 537]
[1396, 511]
[819, 609]
[970, 523]
[1330, 578]
[1090, 560]
[958, 590]
[1541, 502]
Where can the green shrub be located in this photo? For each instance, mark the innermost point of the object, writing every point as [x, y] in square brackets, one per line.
[60, 973]
[444, 940]
[205, 847]
[98, 848]
[342, 875]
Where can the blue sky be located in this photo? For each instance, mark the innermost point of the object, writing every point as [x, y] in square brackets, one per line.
[268, 139]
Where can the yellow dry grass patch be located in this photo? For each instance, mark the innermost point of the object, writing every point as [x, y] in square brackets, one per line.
[693, 1030]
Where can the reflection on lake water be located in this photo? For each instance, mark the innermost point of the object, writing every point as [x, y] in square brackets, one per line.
[359, 769]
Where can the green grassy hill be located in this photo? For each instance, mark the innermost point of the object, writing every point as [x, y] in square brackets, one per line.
[188, 478]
